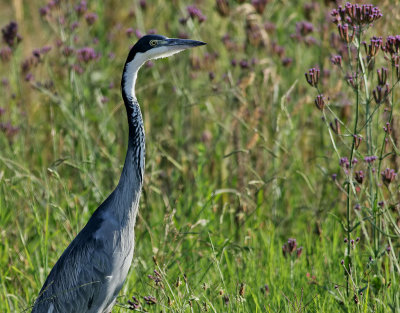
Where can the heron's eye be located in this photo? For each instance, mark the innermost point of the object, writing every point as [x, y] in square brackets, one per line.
[153, 43]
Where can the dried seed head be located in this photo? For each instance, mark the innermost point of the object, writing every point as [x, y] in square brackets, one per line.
[344, 162]
[242, 289]
[357, 141]
[299, 251]
[335, 127]
[150, 300]
[388, 176]
[370, 159]
[392, 45]
[312, 76]
[226, 299]
[345, 33]
[337, 60]
[359, 176]
[373, 47]
[320, 102]
[356, 14]
[388, 128]
[382, 76]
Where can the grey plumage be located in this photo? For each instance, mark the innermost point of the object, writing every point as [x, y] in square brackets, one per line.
[91, 272]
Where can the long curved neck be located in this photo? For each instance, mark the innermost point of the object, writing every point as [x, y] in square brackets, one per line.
[131, 181]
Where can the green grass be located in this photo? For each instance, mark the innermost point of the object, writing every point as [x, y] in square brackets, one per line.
[233, 170]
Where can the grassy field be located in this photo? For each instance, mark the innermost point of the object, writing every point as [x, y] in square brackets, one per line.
[258, 196]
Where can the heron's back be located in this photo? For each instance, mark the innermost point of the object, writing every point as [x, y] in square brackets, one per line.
[91, 271]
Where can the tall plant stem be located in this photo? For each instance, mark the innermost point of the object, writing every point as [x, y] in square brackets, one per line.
[350, 182]
[369, 143]
[376, 239]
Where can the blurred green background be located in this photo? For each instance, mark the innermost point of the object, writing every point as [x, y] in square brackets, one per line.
[238, 159]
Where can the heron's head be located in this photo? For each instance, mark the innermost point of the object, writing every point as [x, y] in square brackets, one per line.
[156, 46]
[151, 47]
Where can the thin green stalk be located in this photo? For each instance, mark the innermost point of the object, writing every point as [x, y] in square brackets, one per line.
[348, 202]
[376, 241]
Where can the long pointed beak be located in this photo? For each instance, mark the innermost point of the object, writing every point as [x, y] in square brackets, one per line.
[184, 43]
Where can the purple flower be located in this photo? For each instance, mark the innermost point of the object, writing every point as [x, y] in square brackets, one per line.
[370, 159]
[43, 11]
[45, 49]
[382, 76]
[138, 34]
[195, 13]
[299, 250]
[320, 102]
[392, 45]
[9, 130]
[287, 61]
[388, 176]
[336, 60]
[143, 4]
[182, 20]
[373, 47]
[28, 77]
[68, 51]
[10, 34]
[356, 14]
[91, 18]
[345, 34]
[304, 28]
[77, 68]
[134, 304]
[211, 75]
[87, 54]
[129, 32]
[359, 176]
[278, 50]
[388, 129]
[312, 76]
[150, 300]
[81, 8]
[183, 35]
[5, 54]
[259, 5]
[36, 53]
[269, 27]
[74, 25]
[344, 162]
[289, 247]
[244, 64]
